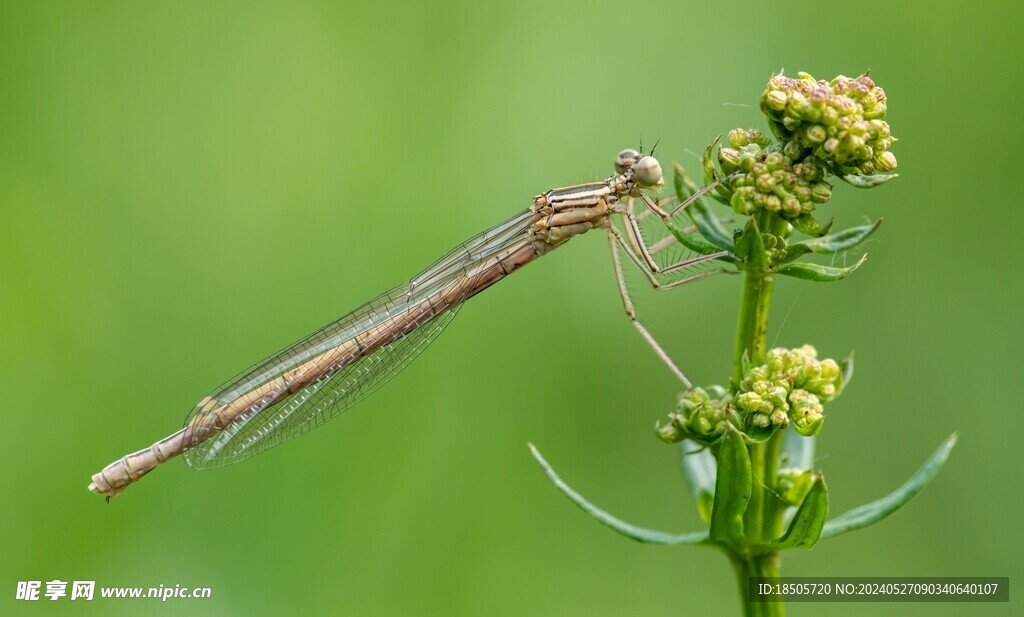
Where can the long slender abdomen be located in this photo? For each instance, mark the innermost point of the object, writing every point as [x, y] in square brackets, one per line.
[215, 416]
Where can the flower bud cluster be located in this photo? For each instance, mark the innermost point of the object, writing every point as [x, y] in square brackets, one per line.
[839, 121]
[788, 182]
[776, 248]
[789, 388]
[700, 415]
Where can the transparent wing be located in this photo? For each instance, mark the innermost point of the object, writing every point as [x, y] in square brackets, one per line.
[316, 379]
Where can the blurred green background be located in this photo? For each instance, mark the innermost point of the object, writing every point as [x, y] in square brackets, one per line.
[185, 188]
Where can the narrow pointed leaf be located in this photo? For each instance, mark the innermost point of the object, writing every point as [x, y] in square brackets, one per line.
[808, 225]
[805, 528]
[832, 243]
[795, 251]
[699, 212]
[692, 242]
[819, 273]
[639, 534]
[708, 163]
[750, 248]
[846, 375]
[871, 513]
[843, 240]
[866, 182]
[699, 468]
[732, 489]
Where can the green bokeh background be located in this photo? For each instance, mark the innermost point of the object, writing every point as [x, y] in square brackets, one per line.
[185, 188]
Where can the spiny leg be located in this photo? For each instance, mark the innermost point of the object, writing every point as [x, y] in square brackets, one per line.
[613, 240]
[637, 241]
[662, 204]
[650, 276]
[656, 209]
[668, 240]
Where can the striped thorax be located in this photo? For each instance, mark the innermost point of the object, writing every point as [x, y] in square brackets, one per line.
[570, 211]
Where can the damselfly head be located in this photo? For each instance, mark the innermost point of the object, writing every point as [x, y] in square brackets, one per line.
[626, 159]
[647, 173]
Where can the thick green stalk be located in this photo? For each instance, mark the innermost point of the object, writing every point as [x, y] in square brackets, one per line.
[762, 518]
[751, 336]
[757, 566]
[774, 508]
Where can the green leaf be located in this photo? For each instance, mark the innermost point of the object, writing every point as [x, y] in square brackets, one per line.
[758, 434]
[866, 182]
[699, 212]
[805, 528]
[685, 188]
[699, 468]
[795, 251]
[694, 244]
[808, 225]
[833, 243]
[873, 512]
[797, 450]
[750, 248]
[732, 489]
[846, 375]
[819, 273]
[707, 161]
[639, 534]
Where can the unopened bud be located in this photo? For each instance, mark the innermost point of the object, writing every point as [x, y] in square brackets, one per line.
[776, 100]
[886, 161]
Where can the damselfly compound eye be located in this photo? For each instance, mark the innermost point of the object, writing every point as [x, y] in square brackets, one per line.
[626, 159]
[648, 172]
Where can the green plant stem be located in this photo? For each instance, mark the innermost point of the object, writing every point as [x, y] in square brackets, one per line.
[762, 519]
[751, 336]
[773, 506]
[766, 565]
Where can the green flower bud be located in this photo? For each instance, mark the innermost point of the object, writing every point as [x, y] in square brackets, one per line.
[764, 183]
[729, 159]
[886, 161]
[789, 388]
[741, 201]
[792, 150]
[830, 369]
[794, 484]
[815, 134]
[751, 401]
[806, 411]
[791, 208]
[768, 180]
[821, 192]
[669, 433]
[776, 100]
[701, 415]
[747, 161]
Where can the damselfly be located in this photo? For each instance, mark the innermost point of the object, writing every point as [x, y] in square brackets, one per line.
[319, 377]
